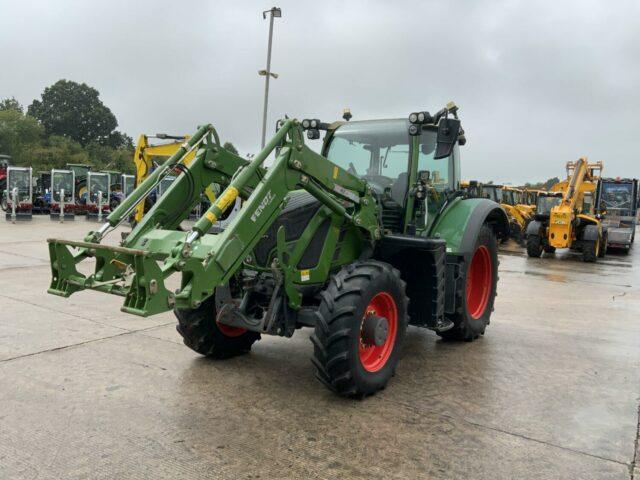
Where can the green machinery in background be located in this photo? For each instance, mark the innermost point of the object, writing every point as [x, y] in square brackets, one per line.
[356, 243]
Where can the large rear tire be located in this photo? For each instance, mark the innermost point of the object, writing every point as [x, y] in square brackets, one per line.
[357, 297]
[474, 302]
[201, 333]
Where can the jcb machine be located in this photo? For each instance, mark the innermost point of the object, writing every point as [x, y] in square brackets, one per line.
[505, 197]
[571, 221]
[356, 243]
[617, 202]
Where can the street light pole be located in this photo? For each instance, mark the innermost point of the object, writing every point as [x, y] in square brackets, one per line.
[274, 12]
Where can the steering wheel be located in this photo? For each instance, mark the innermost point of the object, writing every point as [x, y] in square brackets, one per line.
[378, 182]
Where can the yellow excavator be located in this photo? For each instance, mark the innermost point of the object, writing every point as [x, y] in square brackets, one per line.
[566, 218]
[144, 155]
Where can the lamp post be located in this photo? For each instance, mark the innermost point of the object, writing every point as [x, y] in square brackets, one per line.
[275, 12]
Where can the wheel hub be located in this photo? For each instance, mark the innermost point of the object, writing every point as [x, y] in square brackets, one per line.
[375, 330]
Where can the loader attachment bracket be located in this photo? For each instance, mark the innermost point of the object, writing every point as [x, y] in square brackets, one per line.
[132, 273]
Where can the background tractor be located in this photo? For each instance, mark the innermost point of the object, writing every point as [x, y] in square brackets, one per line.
[357, 242]
[571, 221]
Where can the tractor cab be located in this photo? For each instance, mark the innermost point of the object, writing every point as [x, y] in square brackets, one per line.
[398, 166]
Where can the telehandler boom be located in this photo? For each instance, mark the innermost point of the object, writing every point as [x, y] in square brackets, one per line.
[338, 242]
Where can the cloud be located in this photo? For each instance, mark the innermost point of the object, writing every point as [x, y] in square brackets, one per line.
[538, 83]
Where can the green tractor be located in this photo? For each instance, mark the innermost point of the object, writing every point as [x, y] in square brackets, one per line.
[358, 242]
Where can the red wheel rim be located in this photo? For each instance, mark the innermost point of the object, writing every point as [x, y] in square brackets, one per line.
[229, 331]
[373, 357]
[479, 282]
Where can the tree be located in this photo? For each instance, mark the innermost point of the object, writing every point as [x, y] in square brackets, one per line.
[550, 183]
[231, 147]
[18, 133]
[118, 139]
[75, 111]
[10, 104]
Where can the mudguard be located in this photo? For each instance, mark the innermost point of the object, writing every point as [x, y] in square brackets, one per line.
[591, 233]
[534, 228]
[461, 221]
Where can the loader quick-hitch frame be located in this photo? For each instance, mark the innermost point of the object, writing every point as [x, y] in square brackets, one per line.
[155, 249]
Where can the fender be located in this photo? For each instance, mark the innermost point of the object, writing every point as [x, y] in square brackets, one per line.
[534, 228]
[588, 219]
[591, 233]
[461, 221]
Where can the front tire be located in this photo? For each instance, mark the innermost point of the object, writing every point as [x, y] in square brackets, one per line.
[603, 246]
[474, 302]
[590, 250]
[346, 360]
[534, 247]
[201, 333]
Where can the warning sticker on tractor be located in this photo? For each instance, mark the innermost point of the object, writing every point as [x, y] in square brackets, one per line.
[304, 275]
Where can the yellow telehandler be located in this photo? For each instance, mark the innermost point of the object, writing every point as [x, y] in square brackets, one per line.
[566, 218]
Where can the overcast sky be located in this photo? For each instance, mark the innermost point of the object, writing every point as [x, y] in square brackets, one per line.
[538, 83]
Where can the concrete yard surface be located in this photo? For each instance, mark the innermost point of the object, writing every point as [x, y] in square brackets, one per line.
[550, 392]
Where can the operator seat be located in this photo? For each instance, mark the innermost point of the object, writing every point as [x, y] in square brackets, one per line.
[393, 203]
[399, 188]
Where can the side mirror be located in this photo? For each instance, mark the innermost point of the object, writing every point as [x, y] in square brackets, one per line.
[448, 131]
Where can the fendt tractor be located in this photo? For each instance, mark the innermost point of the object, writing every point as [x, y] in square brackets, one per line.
[566, 217]
[357, 242]
[617, 202]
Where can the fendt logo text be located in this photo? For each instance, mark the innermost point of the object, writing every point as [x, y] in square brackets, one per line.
[265, 201]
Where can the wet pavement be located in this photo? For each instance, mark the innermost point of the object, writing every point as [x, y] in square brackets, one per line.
[551, 392]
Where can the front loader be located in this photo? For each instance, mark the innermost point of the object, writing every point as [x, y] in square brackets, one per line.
[357, 242]
[566, 216]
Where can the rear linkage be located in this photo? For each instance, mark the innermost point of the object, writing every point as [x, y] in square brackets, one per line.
[155, 249]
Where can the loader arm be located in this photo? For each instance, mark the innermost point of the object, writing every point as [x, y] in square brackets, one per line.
[155, 250]
[143, 160]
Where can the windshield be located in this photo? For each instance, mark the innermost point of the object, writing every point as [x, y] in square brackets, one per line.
[98, 183]
[545, 204]
[378, 151]
[617, 197]
[60, 181]
[20, 179]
